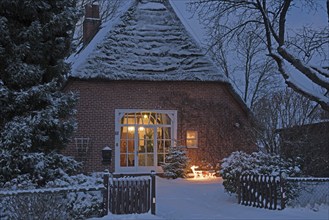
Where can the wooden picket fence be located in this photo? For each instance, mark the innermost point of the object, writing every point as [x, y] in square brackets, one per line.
[128, 195]
[261, 191]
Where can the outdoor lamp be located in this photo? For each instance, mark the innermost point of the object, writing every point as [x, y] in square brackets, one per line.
[107, 155]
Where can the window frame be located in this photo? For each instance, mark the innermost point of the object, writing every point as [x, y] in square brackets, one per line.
[188, 138]
[119, 122]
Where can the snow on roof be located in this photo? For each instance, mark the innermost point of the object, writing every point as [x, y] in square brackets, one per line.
[148, 42]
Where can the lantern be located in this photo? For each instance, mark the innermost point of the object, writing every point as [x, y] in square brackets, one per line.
[107, 155]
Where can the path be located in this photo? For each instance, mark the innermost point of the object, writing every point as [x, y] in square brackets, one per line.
[188, 199]
[182, 199]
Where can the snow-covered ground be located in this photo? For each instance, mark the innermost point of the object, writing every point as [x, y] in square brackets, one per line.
[194, 199]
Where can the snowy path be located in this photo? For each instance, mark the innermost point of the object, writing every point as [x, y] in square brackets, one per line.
[188, 199]
[182, 199]
[201, 200]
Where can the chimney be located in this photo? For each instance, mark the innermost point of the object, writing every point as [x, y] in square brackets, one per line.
[91, 23]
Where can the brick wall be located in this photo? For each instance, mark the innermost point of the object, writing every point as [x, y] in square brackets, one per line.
[209, 108]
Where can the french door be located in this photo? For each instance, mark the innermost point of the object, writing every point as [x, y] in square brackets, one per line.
[143, 139]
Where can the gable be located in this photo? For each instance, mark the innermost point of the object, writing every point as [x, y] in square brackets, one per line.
[149, 42]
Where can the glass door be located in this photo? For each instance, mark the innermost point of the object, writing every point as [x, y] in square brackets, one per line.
[146, 146]
[143, 139]
[127, 146]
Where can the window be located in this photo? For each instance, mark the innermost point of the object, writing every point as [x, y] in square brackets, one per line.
[82, 145]
[144, 138]
[191, 139]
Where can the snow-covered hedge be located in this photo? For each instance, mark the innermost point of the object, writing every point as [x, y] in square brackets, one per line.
[79, 204]
[257, 163]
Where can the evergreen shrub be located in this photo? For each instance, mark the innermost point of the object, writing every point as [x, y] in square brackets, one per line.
[176, 163]
[256, 163]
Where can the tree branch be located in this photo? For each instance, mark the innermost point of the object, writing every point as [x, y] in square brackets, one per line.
[323, 101]
[282, 21]
[307, 71]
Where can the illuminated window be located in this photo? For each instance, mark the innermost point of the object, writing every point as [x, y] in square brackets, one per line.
[191, 139]
[144, 138]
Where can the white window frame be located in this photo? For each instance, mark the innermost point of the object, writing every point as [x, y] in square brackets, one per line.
[119, 113]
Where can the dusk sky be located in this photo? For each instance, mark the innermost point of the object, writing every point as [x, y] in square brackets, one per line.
[298, 17]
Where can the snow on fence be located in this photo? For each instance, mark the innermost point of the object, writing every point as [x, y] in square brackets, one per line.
[119, 195]
[310, 191]
[275, 192]
[260, 191]
[51, 203]
[129, 195]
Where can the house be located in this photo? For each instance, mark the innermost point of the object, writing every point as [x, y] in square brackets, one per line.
[145, 86]
[309, 144]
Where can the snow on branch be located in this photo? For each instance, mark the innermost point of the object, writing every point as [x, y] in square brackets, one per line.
[311, 73]
[298, 87]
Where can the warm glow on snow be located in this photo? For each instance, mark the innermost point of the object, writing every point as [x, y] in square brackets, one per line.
[202, 174]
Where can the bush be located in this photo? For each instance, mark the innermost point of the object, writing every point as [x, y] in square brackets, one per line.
[38, 169]
[257, 163]
[55, 205]
[82, 204]
[176, 163]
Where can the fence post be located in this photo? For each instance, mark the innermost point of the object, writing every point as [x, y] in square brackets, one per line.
[238, 183]
[106, 193]
[282, 190]
[153, 204]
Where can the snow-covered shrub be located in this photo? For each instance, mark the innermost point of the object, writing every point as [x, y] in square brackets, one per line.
[82, 204]
[176, 163]
[56, 205]
[37, 169]
[73, 205]
[257, 163]
[34, 206]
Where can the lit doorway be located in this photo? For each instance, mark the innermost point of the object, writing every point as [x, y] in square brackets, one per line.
[143, 139]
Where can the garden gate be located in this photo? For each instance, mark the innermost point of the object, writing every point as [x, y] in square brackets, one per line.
[128, 195]
[261, 191]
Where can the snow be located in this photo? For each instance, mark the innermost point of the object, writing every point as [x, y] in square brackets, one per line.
[132, 179]
[320, 179]
[153, 6]
[302, 81]
[206, 199]
[147, 42]
[107, 148]
[78, 59]
[189, 20]
[51, 190]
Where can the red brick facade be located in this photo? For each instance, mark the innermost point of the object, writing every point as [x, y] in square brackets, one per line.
[222, 122]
